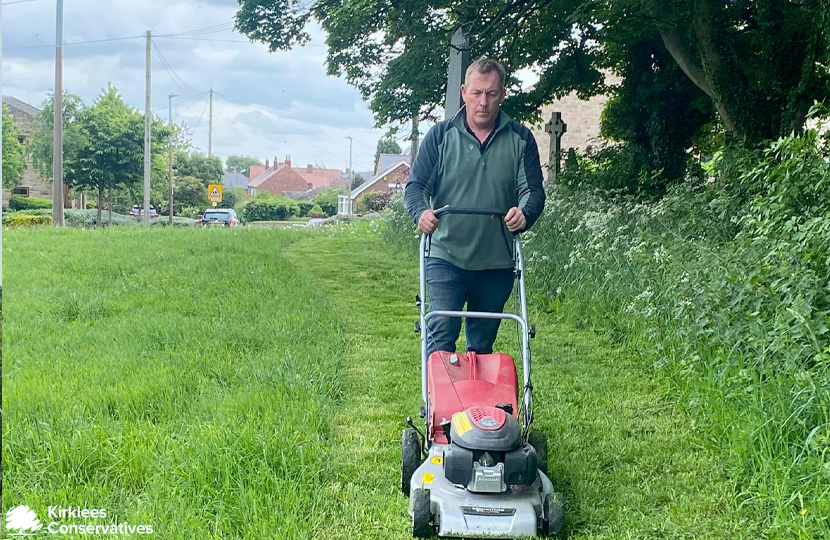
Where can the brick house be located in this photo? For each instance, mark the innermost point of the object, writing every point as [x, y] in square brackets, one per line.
[283, 179]
[276, 179]
[393, 178]
[31, 182]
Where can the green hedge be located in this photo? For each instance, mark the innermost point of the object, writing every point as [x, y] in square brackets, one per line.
[25, 220]
[270, 210]
[28, 203]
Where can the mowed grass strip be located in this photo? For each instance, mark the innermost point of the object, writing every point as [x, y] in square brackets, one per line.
[179, 378]
[629, 461]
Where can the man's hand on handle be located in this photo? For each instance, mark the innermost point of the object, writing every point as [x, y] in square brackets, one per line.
[515, 220]
[427, 223]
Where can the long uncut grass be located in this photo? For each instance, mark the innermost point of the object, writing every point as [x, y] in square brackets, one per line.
[182, 379]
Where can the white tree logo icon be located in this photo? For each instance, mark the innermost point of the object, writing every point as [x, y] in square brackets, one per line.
[23, 520]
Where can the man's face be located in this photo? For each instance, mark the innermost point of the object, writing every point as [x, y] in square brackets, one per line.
[482, 94]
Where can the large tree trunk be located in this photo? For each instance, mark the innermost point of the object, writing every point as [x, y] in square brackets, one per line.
[704, 59]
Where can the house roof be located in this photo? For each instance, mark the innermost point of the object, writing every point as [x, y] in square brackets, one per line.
[387, 160]
[15, 103]
[232, 180]
[368, 183]
[265, 175]
[318, 177]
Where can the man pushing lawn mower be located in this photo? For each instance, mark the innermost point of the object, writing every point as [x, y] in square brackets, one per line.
[479, 471]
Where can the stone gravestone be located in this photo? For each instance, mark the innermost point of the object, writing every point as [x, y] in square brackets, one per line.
[459, 61]
[556, 128]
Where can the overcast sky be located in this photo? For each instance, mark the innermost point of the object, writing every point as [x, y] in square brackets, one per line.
[265, 104]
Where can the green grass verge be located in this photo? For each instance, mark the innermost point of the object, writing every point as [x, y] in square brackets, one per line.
[183, 379]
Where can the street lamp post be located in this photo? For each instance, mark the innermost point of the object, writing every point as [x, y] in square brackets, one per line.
[170, 157]
[350, 180]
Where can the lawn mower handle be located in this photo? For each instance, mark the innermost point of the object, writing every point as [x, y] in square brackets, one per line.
[438, 212]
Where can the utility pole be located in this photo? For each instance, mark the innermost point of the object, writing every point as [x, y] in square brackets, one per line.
[170, 157]
[57, 147]
[459, 61]
[351, 180]
[210, 126]
[148, 111]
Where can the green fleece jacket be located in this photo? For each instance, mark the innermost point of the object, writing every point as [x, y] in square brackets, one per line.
[453, 168]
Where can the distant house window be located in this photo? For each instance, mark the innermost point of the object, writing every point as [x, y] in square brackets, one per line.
[23, 139]
[20, 192]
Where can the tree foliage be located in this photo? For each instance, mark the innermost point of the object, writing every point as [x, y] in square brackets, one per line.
[42, 139]
[207, 169]
[386, 145]
[240, 164]
[758, 63]
[13, 160]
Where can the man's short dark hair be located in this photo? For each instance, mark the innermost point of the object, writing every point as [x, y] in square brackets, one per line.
[484, 66]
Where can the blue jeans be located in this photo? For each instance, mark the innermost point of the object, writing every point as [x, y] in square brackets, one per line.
[450, 287]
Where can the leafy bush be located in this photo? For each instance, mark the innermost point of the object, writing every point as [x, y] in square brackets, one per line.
[177, 222]
[270, 210]
[21, 219]
[87, 219]
[305, 208]
[191, 212]
[28, 203]
[328, 200]
[378, 201]
[316, 212]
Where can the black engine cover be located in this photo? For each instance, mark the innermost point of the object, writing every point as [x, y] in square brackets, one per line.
[520, 465]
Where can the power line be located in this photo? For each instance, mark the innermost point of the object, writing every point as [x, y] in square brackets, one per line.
[173, 75]
[199, 122]
[18, 2]
[52, 45]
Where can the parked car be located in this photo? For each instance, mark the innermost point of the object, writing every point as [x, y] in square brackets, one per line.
[136, 210]
[219, 217]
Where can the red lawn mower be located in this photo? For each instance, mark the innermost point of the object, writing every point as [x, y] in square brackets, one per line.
[478, 471]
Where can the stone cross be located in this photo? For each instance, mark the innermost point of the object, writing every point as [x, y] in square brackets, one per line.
[556, 128]
[459, 61]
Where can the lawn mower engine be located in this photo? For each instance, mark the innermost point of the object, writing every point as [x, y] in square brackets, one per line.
[485, 452]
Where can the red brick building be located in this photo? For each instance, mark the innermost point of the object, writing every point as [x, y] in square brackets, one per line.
[282, 177]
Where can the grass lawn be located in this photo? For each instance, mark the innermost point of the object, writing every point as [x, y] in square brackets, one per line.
[254, 383]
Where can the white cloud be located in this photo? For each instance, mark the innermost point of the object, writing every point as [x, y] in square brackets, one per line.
[265, 104]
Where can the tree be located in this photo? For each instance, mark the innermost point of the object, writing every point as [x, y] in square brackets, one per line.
[43, 132]
[759, 62]
[386, 145]
[358, 180]
[207, 169]
[241, 164]
[13, 161]
[111, 153]
[190, 191]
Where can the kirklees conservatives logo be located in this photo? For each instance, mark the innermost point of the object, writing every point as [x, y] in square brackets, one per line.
[22, 521]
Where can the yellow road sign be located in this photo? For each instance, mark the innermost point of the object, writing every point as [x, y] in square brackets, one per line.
[215, 193]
